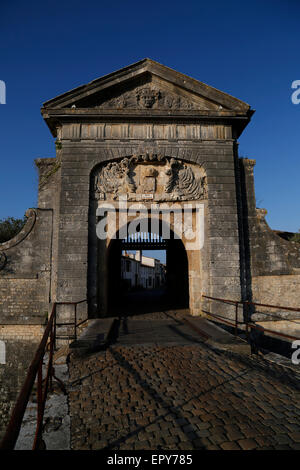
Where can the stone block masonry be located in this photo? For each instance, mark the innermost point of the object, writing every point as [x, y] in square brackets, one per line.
[145, 115]
[21, 342]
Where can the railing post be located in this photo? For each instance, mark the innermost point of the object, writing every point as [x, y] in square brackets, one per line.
[236, 318]
[75, 323]
[54, 328]
[246, 316]
[52, 340]
[40, 389]
[39, 405]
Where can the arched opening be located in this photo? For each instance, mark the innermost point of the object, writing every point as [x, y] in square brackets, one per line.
[147, 273]
[159, 188]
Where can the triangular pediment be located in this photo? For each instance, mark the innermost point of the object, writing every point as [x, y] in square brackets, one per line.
[147, 92]
[148, 85]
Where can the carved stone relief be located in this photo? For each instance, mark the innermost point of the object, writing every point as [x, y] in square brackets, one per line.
[148, 96]
[150, 176]
[182, 181]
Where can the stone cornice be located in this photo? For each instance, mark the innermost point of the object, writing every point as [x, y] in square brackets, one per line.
[56, 117]
[140, 113]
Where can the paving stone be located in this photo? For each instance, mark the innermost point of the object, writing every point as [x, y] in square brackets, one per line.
[203, 433]
[247, 444]
[234, 435]
[295, 436]
[188, 428]
[201, 425]
[218, 438]
[230, 445]
[182, 396]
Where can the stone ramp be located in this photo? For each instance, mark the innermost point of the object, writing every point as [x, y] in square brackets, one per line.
[96, 336]
[217, 337]
[177, 327]
[157, 328]
[135, 331]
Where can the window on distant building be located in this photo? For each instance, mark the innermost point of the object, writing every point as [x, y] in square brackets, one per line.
[128, 266]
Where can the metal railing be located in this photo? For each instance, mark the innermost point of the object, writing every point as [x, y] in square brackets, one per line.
[74, 324]
[247, 322]
[35, 374]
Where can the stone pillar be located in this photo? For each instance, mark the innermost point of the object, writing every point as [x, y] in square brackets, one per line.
[248, 183]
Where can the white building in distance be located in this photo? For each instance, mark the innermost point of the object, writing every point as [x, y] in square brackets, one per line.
[142, 271]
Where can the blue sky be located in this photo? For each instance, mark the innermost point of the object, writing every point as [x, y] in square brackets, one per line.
[249, 49]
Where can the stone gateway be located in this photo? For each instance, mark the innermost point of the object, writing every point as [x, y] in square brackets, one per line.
[155, 136]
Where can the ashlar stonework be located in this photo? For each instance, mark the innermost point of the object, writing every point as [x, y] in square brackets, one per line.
[155, 135]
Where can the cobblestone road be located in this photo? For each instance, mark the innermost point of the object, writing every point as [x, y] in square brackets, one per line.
[179, 393]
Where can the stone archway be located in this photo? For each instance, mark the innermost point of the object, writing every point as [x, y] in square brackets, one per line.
[158, 189]
[175, 291]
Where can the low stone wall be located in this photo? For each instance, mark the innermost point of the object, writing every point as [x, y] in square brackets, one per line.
[25, 279]
[285, 327]
[25, 271]
[281, 290]
[20, 342]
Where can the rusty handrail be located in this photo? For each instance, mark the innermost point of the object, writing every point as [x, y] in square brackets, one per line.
[35, 370]
[248, 323]
[13, 429]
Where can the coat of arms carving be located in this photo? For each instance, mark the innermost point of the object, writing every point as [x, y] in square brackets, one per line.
[165, 178]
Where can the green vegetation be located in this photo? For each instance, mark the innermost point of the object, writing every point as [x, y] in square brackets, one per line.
[50, 173]
[10, 227]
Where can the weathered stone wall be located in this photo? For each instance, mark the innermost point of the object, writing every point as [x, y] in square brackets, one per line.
[21, 342]
[272, 263]
[49, 198]
[82, 150]
[282, 290]
[26, 272]
[23, 300]
[25, 282]
[271, 254]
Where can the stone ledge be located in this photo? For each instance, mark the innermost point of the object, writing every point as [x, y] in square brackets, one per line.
[217, 337]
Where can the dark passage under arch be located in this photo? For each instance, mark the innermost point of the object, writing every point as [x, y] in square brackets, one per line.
[174, 294]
